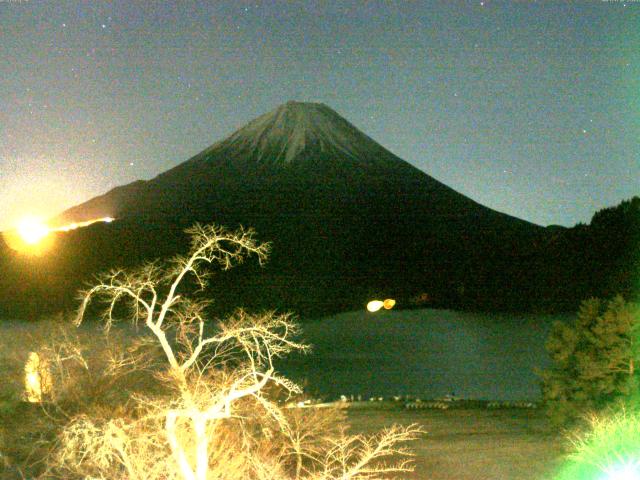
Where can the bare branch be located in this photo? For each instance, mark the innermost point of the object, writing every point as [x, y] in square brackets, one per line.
[218, 377]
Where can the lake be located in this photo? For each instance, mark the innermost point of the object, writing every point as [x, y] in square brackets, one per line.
[426, 353]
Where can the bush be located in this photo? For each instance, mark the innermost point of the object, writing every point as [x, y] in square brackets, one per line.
[89, 373]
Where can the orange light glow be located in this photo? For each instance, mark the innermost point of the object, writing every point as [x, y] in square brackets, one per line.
[375, 305]
[32, 230]
[33, 236]
[389, 303]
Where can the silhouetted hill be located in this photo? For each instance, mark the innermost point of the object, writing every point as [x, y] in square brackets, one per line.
[601, 259]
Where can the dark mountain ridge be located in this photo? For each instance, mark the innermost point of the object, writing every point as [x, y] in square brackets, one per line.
[349, 221]
[297, 146]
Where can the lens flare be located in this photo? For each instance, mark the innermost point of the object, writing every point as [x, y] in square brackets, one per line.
[625, 471]
[608, 450]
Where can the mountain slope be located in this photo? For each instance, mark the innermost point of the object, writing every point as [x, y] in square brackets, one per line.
[348, 220]
[298, 145]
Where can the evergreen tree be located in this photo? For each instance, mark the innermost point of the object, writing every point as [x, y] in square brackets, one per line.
[594, 360]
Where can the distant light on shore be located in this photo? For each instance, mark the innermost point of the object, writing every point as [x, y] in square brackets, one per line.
[389, 303]
[375, 305]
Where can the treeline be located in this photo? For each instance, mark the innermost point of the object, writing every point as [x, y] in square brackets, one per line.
[552, 270]
[601, 259]
[528, 269]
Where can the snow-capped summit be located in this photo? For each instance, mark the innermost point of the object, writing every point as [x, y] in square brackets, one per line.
[286, 133]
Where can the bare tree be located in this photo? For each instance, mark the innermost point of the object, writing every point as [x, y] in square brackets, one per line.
[219, 376]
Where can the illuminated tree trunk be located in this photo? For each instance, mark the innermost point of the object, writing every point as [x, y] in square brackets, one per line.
[199, 425]
[176, 448]
[202, 444]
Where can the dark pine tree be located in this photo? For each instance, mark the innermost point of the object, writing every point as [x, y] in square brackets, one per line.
[594, 360]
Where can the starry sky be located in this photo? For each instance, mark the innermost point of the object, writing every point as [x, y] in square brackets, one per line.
[530, 108]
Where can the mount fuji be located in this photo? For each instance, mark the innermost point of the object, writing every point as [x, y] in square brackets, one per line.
[348, 220]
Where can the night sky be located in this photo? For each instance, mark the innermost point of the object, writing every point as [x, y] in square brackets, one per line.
[530, 108]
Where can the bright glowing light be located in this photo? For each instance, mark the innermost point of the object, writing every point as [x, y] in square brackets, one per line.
[75, 225]
[374, 305]
[389, 303]
[32, 235]
[608, 450]
[625, 471]
[32, 230]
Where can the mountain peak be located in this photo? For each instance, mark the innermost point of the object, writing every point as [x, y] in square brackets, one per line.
[296, 131]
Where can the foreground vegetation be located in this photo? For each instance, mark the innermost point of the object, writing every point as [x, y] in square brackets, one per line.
[467, 441]
[190, 400]
[594, 359]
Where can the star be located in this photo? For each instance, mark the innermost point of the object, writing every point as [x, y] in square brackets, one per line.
[104, 26]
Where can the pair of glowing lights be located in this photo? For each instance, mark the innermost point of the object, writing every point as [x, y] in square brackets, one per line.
[375, 305]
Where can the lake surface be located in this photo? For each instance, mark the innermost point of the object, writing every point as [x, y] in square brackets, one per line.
[428, 353]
